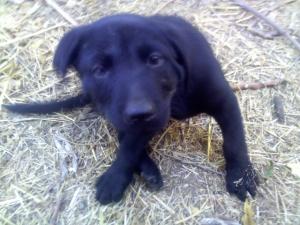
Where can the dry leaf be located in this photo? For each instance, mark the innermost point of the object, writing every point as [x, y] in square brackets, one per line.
[68, 160]
[247, 218]
[268, 170]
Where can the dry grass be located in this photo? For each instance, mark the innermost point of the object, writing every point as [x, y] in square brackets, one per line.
[49, 163]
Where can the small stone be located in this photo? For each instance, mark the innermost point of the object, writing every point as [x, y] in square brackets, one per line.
[82, 205]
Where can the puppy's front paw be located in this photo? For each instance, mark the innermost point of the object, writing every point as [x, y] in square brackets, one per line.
[241, 179]
[111, 185]
[151, 174]
[153, 179]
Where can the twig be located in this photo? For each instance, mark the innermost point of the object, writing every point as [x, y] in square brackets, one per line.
[163, 6]
[164, 205]
[195, 164]
[256, 85]
[30, 35]
[280, 30]
[65, 15]
[262, 34]
[56, 210]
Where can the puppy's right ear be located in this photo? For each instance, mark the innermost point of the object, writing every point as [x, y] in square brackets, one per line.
[68, 50]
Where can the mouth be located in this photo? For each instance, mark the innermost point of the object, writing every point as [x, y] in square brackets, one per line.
[144, 120]
[153, 123]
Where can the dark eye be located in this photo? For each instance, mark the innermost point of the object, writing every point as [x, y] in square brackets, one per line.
[155, 60]
[99, 71]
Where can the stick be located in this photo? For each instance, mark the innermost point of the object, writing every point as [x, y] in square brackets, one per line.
[280, 30]
[18, 39]
[256, 85]
[196, 164]
[269, 36]
[65, 15]
[56, 210]
[163, 6]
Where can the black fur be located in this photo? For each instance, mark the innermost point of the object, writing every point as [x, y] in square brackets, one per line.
[50, 107]
[138, 72]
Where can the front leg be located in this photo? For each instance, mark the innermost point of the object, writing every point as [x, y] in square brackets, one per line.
[147, 168]
[240, 175]
[112, 184]
[150, 172]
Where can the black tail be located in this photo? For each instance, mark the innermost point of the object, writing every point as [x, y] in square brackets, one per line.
[50, 107]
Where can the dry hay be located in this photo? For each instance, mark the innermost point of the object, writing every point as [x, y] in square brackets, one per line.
[49, 163]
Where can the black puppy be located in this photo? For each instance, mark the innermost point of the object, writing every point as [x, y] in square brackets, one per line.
[138, 72]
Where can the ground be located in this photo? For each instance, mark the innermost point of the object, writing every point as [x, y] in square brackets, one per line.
[49, 164]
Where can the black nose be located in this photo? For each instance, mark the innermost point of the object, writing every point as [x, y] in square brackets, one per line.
[143, 111]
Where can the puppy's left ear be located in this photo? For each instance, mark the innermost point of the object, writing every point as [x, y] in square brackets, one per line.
[68, 50]
[192, 52]
[173, 29]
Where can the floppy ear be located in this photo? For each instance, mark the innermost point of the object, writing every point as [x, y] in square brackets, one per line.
[67, 50]
[173, 30]
[193, 52]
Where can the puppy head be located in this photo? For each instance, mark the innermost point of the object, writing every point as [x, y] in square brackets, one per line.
[126, 66]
